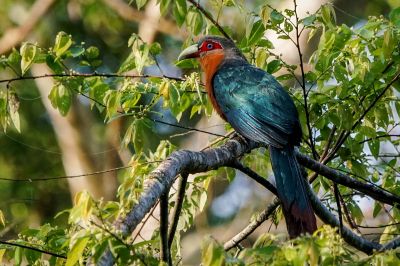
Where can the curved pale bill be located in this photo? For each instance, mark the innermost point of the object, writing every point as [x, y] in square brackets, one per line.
[189, 52]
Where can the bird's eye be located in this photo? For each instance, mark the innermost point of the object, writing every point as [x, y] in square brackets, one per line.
[210, 46]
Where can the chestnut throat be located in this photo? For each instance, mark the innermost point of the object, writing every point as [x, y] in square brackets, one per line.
[210, 63]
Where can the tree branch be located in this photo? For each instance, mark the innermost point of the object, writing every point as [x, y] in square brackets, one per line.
[125, 11]
[33, 248]
[210, 18]
[14, 36]
[184, 161]
[253, 175]
[303, 83]
[164, 175]
[366, 111]
[177, 209]
[263, 216]
[349, 236]
[84, 75]
[165, 255]
[371, 190]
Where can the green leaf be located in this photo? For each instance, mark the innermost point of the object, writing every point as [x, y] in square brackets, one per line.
[307, 21]
[76, 251]
[128, 64]
[180, 11]
[195, 20]
[92, 52]
[97, 90]
[377, 209]
[284, 77]
[141, 130]
[265, 43]
[140, 3]
[18, 256]
[276, 17]
[340, 73]
[187, 63]
[14, 59]
[395, 16]
[274, 66]
[155, 48]
[61, 98]
[374, 147]
[212, 253]
[257, 32]
[2, 251]
[13, 106]
[112, 100]
[2, 223]
[77, 51]
[356, 212]
[346, 117]
[261, 57]
[54, 64]
[327, 14]
[288, 26]
[62, 43]
[164, 4]
[28, 53]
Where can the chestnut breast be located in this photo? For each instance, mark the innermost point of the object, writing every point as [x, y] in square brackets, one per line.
[210, 63]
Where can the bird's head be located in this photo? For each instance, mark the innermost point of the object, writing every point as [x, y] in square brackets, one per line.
[211, 51]
[209, 46]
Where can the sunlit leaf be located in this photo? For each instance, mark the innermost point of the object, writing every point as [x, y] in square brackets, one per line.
[62, 43]
[28, 53]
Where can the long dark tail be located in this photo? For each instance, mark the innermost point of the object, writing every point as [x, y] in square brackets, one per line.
[290, 184]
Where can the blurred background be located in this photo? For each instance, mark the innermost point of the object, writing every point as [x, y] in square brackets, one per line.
[50, 145]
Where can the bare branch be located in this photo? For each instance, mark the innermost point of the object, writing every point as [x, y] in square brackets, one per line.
[303, 83]
[253, 175]
[125, 11]
[339, 209]
[210, 18]
[366, 111]
[163, 177]
[12, 37]
[368, 189]
[349, 236]
[165, 255]
[263, 216]
[33, 248]
[177, 209]
[94, 74]
[68, 176]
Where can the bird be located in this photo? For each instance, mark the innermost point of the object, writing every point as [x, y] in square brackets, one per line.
[258, 108]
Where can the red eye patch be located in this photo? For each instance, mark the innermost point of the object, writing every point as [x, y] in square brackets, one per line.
[209, 46]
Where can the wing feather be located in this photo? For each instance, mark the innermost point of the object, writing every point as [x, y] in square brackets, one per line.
[256, 105]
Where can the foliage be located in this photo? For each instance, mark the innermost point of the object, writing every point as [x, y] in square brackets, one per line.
[324, 247]
[347, 102]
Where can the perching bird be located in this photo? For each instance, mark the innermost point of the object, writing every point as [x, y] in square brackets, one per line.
[258, 108]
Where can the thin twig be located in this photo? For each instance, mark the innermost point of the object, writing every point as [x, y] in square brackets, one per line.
[263, 216]
[33, 248]
[69, 176]
[347, 214]
[103, 105]
[369, 189]
[165, 255]
[253, 175]
[366, 111]
[339, 209]
[210, 18]
[177, 208]
[94, 74]
[303, 85]
[380, 136]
